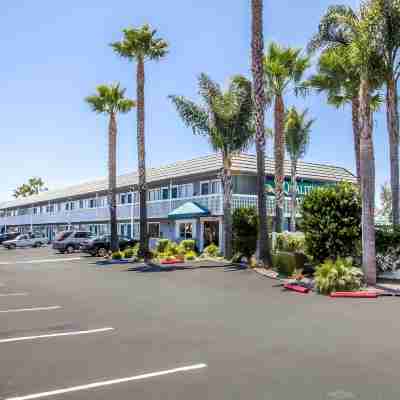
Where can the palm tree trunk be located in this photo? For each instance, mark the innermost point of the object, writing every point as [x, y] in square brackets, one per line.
[279, 152]
[144, 244]
[227, 187]
[355, 108]
[112, 180]
[391, 116]
[367, 169]
[257, 46]
[293, 196]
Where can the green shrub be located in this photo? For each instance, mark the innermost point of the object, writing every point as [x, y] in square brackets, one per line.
[245, 231]
[287, 263]
[181, 250]
[290, 242]
[162, 245]
[386, 238]
[128, 253]
[188, 245]
[212, 250]
[190, 255]
[332, 221]
[339, 275]
[117, 255]
[172, 249]
[135, 250]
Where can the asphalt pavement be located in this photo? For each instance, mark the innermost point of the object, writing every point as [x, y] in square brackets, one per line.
[73, 329]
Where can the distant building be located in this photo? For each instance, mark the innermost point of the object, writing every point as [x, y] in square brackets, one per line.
[184, 200]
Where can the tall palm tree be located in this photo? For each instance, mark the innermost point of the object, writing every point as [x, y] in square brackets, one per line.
[385, 22]
[141, 44]
[342, 27]
[297, 135]
[110, 100]
[257, 53]
[226, 119]
[283, 68]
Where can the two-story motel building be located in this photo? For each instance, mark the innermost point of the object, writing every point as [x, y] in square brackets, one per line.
[184, 200]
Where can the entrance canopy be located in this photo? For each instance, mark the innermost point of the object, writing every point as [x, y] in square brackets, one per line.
[189, 210]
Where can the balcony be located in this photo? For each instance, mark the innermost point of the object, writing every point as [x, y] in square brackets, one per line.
[155, 209]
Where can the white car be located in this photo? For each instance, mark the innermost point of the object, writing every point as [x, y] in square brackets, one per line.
[25, 240]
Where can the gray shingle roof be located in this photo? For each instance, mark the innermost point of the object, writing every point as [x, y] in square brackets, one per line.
[245, 163]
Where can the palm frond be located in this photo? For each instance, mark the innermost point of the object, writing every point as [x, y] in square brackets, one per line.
[192, 115]
[140, 43]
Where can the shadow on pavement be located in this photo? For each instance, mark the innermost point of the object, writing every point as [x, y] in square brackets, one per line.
[154, 267]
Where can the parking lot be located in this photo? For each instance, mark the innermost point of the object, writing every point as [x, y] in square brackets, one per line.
[72, 329]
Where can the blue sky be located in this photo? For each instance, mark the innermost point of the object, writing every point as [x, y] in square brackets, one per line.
[55, 53]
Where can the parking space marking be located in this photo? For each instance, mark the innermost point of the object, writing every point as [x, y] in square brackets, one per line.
[108, 383]
[51, 335]
[49, 260]
[15, 310]
[13, 294]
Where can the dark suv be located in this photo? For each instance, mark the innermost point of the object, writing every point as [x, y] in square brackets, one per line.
[69, 241]
[101, 245]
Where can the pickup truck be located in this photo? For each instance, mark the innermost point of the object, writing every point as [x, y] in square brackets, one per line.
[25, 240]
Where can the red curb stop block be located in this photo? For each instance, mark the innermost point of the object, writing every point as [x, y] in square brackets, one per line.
[296, 288]
[176, 260]
[356, 295]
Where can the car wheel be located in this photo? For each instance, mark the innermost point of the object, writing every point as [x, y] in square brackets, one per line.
[39, 244]
[102, 252]
[70, 249]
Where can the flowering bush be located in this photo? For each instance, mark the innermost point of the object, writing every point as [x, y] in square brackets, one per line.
[389, 260]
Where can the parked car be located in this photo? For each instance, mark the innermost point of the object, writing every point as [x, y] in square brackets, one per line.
[25, 240]
[70, 241]
[101, 245]
[8, 236]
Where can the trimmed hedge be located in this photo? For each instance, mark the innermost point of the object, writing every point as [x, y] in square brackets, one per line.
[286, 263]
[245, 231]
[332, 221]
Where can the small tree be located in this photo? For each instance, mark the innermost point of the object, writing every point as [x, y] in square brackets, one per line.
[297, 132]
[34, 186]
[332, 221]
[245, 231]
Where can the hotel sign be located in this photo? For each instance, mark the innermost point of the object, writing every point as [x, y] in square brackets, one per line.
[303, 187]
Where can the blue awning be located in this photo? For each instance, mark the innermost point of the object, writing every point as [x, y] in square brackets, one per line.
[189, 210]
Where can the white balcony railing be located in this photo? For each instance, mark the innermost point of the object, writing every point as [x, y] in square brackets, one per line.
[155, 209]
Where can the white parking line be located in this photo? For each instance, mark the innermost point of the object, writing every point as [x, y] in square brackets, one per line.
[107, 383]
[30, 309]
[49, 260]
[13, 294]
[51, 335]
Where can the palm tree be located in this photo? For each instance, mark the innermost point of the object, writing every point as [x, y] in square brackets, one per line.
[297, 135]
[257, 50]
[385, 21]
[111, 100]
[341, 27]
[336, 77]
[140, 44]
[226, 119]
[283, 67]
